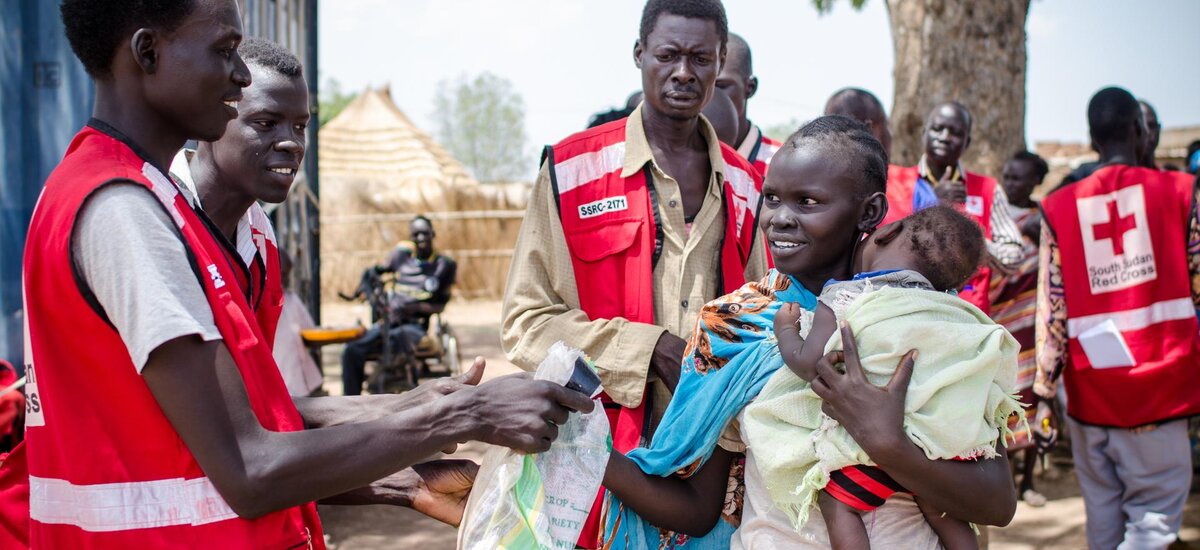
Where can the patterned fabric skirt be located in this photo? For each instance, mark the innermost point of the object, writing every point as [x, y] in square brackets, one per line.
[1014, 306]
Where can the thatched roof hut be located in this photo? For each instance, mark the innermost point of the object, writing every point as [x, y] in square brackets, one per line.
[378, 170]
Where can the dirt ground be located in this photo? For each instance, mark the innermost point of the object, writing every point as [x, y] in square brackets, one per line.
[1059, 524]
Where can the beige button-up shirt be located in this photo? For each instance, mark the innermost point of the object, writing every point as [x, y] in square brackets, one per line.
[541, 301]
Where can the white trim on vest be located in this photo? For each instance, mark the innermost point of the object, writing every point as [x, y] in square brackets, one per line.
[588, 167]
[1135, 319]
[766, 151]
[165, 190]
[110, 507]
[254, 231]
[745, 194]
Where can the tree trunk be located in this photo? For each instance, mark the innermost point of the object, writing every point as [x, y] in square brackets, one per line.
[966, 51]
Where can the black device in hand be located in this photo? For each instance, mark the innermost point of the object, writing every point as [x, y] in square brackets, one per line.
[584, 380]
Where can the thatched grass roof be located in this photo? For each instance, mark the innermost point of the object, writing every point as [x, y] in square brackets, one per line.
[378, 169]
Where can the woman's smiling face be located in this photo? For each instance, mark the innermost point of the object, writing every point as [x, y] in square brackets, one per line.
[811, 211]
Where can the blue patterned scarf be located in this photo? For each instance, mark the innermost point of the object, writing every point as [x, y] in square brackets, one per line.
[729, 358]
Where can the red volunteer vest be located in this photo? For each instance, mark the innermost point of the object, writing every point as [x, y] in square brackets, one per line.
[266, 279]
[760, 155]
[611, 227]
[900, 182]
[981, 192]
[112, 472]
[1122, 240]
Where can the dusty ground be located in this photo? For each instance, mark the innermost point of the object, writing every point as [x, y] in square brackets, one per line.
[1060, 524]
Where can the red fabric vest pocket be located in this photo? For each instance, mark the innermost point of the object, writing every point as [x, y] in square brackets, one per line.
[603, 257]
[245, 334]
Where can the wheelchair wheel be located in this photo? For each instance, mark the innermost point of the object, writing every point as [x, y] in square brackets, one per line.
[450, 353]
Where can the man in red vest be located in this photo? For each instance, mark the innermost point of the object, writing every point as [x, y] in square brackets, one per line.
[947, 136]
[257, 159]
[737, 81]
[634, 225]
[145, 356]
[1117, 320]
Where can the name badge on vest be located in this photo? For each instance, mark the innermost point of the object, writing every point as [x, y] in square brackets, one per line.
[603, 206]
[1116, 240]
[974, 205]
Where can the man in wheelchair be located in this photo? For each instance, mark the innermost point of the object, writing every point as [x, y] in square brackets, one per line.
[418, 288]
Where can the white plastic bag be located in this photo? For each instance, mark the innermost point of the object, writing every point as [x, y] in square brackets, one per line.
[540, 501]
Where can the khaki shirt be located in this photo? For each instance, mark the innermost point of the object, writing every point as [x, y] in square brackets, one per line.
[541, 302]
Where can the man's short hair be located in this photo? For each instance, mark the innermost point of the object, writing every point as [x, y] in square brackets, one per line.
[856, 103]
[1039, 164]
[421, 218]
[1111, 113]
[966, 113]
[96, 28]
[835, 130]
[739, 47]
[948, 245]
[270, 55]
[711, 10]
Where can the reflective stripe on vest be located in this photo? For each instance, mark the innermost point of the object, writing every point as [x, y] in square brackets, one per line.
[131, 505]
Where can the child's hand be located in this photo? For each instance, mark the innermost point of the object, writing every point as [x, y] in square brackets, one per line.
[787, 321]
[791, 345]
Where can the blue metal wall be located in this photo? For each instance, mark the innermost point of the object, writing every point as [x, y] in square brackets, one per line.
[45, 97]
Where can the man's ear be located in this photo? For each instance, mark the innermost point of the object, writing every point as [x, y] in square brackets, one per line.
[144, 46]
[751, 86]
[889, 232]
[874, 210]
[637, 53]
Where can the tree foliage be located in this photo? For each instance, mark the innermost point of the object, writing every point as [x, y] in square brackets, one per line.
[481, 121]
[783, 130]
[826, 6]
[331, 101]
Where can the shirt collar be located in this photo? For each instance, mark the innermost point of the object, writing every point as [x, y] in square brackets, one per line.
[956, 172]
[746, 147]
[638, 152]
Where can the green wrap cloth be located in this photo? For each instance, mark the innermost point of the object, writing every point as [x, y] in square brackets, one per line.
[958, 402]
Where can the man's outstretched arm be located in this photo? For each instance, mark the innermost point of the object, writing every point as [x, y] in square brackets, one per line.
[258, 471]
[326, 411]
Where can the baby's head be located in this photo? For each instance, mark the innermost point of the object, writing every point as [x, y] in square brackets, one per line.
[824, 190]
[939, 243]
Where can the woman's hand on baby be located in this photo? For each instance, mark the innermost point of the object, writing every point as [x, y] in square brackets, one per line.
[873, 416]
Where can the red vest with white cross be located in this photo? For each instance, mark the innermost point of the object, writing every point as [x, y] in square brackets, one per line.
[981, 192]
[1133, 349]
[106, 468]
[612, 231]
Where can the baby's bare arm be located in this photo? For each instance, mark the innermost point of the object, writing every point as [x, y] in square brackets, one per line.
[799, 354]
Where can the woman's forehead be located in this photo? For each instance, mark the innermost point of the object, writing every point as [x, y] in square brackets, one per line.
[813, 165]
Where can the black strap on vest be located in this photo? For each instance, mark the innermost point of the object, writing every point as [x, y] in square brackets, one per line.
[659, 235]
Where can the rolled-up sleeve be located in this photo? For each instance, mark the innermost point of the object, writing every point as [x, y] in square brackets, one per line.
[541, 307]
[1005, 242]
[1051, 327]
